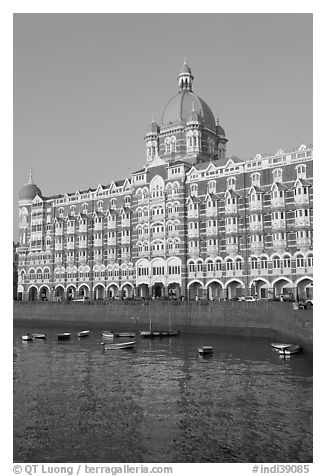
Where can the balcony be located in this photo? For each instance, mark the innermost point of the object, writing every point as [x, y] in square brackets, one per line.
[278, 224]
[98, 226]
[278, 202]
[233, 228]
[279, 245]
[255, 206]
[303, 243]
[98, 242]
[302, 222]
[231, 209]
[255, 226]
[112, 225]
[193, 233]
[232, 248]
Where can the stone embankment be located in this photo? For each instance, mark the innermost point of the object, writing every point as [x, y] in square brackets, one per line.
[276, 320]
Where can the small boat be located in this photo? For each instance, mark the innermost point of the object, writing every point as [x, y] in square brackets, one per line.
[27, 337]
[280, 346]
[121, 345]
[293, 349]
[39, 336]
[126, 334]
[107, 334]
[205, 349]
[83, 334]
[64, 336]
[147, 334]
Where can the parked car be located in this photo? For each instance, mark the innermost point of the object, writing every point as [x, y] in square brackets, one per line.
[250, 299]
[81, 299]
[284, 297]
[305, 303]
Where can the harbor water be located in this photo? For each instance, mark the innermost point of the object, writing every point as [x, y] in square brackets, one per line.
[161, 402]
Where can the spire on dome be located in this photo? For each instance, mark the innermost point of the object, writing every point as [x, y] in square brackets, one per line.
[30, 176]
[185, 77]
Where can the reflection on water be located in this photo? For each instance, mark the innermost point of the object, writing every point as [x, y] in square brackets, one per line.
[74, 402]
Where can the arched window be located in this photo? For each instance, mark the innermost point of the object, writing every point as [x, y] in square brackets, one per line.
[194, 189]
[238, 264]
[276, 262]
[263, 262]
[255, 179]
[300, 261]
[210, 266]
[229, 265]
[277, 175]
[173, 144]
[231, 183]
[167, 144]
[310, 261]
[191, 266]
[254, 263]
[218, 264]
[286, 262]
[301, 171]
[211, 186]
[200, 266]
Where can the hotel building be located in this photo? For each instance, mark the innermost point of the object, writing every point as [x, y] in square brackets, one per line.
[191, 223]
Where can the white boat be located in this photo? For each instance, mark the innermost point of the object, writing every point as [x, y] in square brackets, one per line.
[27, 337]
[293, 349]
[149, 334]
[125, 334]
[107, 334]
[280, 346]
[39, 336]
[121, 345]
[83, 334]
[64, 336]
[205, 349]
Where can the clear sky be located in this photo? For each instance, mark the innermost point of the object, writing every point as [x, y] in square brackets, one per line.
[86, 86]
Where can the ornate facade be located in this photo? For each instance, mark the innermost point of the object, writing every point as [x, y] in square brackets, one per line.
[191, 223]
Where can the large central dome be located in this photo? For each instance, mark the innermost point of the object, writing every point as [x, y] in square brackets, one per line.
[180, 107]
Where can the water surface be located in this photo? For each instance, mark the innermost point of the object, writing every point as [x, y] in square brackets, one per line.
[160, 403]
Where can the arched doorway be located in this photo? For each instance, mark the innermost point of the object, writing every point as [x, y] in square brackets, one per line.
[127, 291]
[214, 290]
[260, 288]
[174, 291]
[195, 290]
[234, 289]
[113, 291]
[32, 293]
[44, 293]
[305, 288]
[99, 292]
[71, 293]
[158, 290]
[83, 291]
[143, 291]
[59, 293]
[283, 287]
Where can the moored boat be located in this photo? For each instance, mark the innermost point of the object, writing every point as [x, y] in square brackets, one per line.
[107, 334]
[64, 336]
[27, 337]
[39, 336]
[147, 334]
[293, 349]
[205, 349]
[280, 346]
[120, 345]
[125, 334]
[83, 334]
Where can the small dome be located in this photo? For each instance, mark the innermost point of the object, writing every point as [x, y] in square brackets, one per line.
[29, 192]
[219, 130]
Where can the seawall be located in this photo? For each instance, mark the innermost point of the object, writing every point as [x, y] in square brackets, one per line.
[264, 318]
